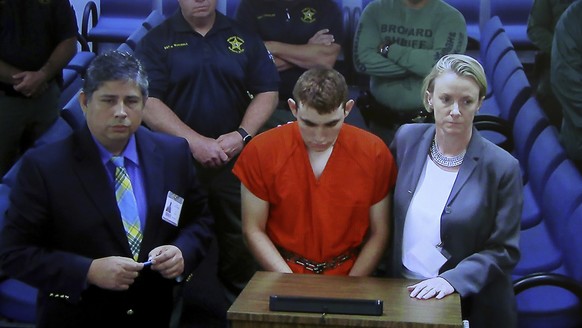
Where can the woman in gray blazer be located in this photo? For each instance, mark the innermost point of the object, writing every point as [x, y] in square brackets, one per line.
[457, 202]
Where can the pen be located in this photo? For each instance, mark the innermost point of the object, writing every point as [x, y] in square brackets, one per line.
[147, 263]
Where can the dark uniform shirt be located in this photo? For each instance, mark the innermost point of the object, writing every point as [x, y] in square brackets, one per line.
[293, 22]
[207, 80]
[30, 30]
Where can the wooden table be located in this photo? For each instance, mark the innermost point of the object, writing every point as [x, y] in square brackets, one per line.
[251, 308]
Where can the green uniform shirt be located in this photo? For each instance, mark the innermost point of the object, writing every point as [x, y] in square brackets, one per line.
[419, 37]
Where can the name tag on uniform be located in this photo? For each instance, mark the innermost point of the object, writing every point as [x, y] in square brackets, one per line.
[172, 208]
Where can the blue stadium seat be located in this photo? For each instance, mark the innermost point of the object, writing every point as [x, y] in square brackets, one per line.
[470, 10]
[513, 95]
[494, 129]
[545, 155]
[514, 14]
[73, 114]
[529, 121]
[489, 31]
[539, 253]
[497, 48]
[72, 82]
[573, 244]
[115, 22]
[555, 299]
[17, 299]
[562, 194]
[81, 61]
[136, 36]
[505, 67]
[548, 299]
[154, 19]
[490, 106]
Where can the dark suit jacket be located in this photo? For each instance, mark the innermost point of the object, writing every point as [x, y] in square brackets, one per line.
[480, 223]
[64, 214]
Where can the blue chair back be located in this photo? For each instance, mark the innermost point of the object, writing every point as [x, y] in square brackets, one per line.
[136, 36]
[470, 10]
[490, 30]
[506, 66]
[154, 19]
[513, 95]
[545, 155]
[561, 195]
[514, 14]
[73, 114]
[498, 47]
[573, 244]
[529, 121]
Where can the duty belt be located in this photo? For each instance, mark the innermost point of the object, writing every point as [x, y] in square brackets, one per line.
[318, 267]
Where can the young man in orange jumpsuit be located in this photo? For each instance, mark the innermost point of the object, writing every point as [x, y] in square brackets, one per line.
[315, 193]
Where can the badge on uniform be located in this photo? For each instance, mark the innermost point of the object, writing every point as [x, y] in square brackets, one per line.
[172, 208]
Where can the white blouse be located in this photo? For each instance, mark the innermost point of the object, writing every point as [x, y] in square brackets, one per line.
[422, 226]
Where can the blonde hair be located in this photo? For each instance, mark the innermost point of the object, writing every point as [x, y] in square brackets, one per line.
[462, 65]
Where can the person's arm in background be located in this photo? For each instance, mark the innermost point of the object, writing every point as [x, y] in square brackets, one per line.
[367, 39]
[7, 72]
[257, 113]
[64, 32]
[540, 25]
[450, 36]
[159, 117]
[31, 83]
[255, 212]
[376, 240]
[322, 49]
[566, 67]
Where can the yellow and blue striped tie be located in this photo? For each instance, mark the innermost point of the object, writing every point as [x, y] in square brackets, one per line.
[127, 206]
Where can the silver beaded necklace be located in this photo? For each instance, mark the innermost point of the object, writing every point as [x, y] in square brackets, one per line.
[443, 160]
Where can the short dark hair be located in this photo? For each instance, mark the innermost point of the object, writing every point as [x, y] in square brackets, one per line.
[115, 66]
[323, 89]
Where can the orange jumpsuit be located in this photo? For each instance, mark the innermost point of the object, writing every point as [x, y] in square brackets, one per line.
[317, 219]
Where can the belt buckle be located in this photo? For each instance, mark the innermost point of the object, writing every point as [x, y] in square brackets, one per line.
[316, 268]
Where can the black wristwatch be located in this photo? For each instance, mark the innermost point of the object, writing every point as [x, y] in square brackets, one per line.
[245, 135]
[384, 51]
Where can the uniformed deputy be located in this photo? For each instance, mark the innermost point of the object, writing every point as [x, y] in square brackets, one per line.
[300, 34]
[213, 83]
[37, 39]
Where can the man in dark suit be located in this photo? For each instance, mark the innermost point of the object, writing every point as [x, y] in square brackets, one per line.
[65, 232]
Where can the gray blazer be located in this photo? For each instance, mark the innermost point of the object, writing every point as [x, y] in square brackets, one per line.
[480, 223]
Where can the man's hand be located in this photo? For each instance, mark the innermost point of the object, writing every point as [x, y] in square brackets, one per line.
[435, 287]
[322, 37]
[113, 273]
[30, 84]
[167, 260]
[231, 143]
[208, 152]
